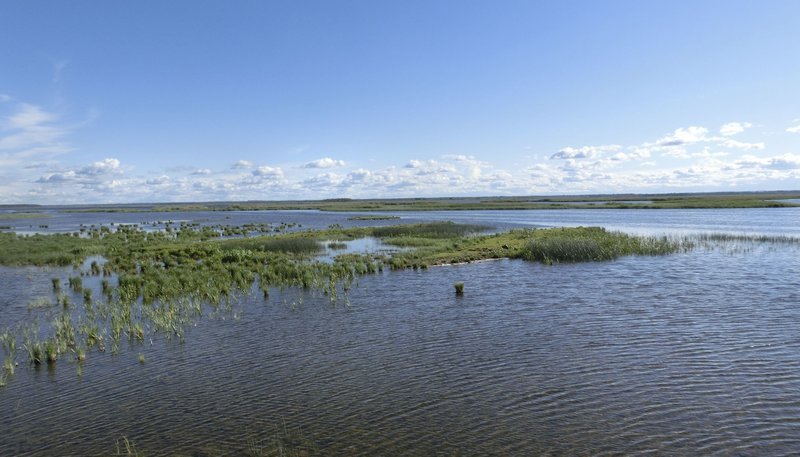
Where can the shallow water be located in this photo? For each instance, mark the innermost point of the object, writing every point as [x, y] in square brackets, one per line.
[694, 353]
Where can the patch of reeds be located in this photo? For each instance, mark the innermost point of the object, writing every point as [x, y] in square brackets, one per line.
[588, 244]
[744, 238]
[125, 447]
[372, 218]
[293, 245]
[76, 283]
[428, 230]
[8, 365]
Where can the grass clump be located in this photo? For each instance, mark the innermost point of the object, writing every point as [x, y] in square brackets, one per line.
[125, 447]
[289, 244]
[459, 286]
[592, 244]
[430, 230]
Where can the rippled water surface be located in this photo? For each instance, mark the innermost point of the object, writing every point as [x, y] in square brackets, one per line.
[694, 353]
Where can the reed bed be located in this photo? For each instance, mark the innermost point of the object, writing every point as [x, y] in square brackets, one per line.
[436, 230]
[592, 244]
[743, 238]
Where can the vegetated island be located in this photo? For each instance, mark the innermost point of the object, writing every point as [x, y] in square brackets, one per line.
[128, 283]
[617, 201]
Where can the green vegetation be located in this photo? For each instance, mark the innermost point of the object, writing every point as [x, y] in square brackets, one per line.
[586, 244]
[373, 218]
[127, 448]
[619, 201]
[12, 216]
[435, 230]
[158, 283]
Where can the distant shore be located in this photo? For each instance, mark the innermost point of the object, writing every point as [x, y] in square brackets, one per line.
[771, 199]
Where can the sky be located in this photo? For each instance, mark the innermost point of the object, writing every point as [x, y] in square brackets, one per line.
[154, 101]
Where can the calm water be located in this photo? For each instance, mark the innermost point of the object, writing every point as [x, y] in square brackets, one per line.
[695, 353]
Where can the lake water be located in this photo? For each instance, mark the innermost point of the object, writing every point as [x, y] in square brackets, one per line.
[693, 353]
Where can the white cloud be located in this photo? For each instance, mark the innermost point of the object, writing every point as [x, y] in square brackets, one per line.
[742, 145]
[733, 128]
[242, 164]
[682, 136]
[29, 116]
[585, 152]
[268, 172]
[325, 162]
[31, 170]
[795, 129]
[158, 181]
[104, 166]
[783, 162]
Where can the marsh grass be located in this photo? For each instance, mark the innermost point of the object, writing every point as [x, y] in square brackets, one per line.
[459, 287]
[743, 238]
[125, 447]
[592, 244]
[8, 365]
[373, 218]
[160, 283]
[76, 283]
[428, 230]
[293, 245]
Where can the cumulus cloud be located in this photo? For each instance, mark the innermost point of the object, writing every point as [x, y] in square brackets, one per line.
[742, 145]
[158, 181]
[682, 136]
[782, 162]
[691, 158]
[267, 172]
[242, 164]
[585, 152]
[325, 162]
[733, 128]
[794, 129]
[104, 166]
[89, 174]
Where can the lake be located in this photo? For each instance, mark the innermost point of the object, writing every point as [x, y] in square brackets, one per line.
[692, 353]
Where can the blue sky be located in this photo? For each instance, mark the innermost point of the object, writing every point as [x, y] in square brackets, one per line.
[198, 100]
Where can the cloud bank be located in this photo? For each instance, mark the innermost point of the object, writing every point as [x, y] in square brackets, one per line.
[36, 166]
